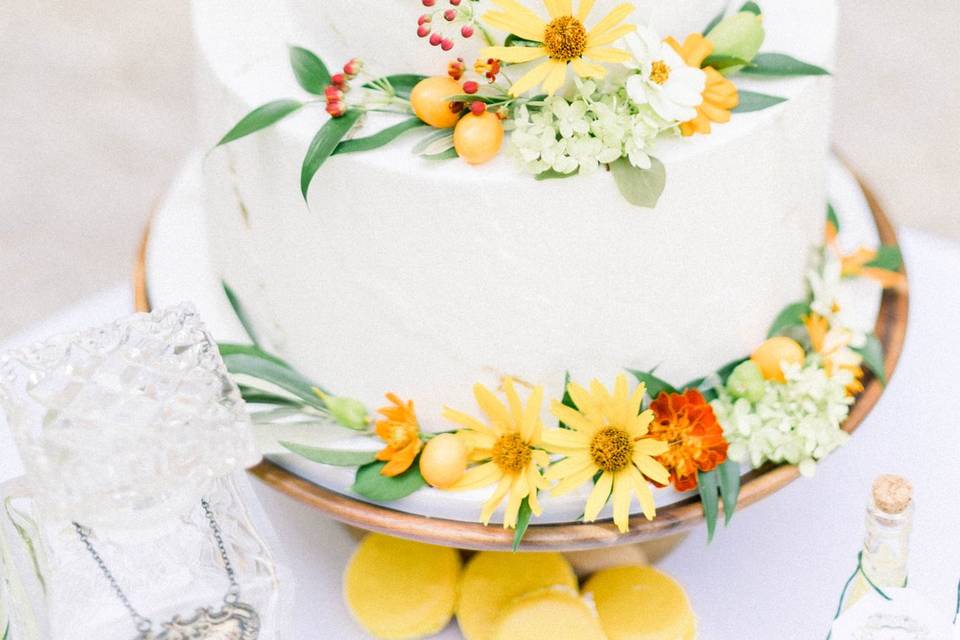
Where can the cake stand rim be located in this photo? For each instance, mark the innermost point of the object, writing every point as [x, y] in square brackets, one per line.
[679, 517]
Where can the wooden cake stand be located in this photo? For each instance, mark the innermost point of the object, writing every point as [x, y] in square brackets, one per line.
[672, 519]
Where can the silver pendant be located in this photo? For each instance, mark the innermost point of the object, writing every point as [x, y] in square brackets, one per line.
[235, 621]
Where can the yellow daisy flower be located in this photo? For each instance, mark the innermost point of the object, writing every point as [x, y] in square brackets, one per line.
[606, 435]
[506, 444]
[564, 40]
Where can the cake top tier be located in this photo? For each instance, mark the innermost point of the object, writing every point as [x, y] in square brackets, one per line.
[385, 31]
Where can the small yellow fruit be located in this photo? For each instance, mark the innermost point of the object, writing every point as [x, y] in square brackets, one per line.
[549, 614]
[398, 589]
[492, 579]
[477, 139]
[443, 461]
[769, 356]
[430, 100]
[641, 603]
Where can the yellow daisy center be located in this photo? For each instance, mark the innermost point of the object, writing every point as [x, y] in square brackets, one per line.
[659, 72]
[611, 449]
[511, 453]
[565, 38]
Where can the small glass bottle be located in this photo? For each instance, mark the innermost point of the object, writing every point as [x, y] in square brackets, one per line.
[889, 521]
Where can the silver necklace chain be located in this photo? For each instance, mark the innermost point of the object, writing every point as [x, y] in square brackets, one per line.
[144, 624]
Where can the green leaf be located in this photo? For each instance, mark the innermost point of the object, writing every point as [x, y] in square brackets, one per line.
[872, 353]
[753, 101]
[714, 22]
[230, 348]
[261, 118]
[640, 187]
[435, 142]
[449, 154]
[567, 399]
[729, 476]
[707, 484]
[6, 632]
[241, 314]
[309, 70]
[278, 375]
[791, 316]
[252, 395]
[513, 40]
[523, 521]
[832, 217]
[323, 144]
[378, 139]
[654, 384]
[335, 457]
[723, 62]
[780, 64]
[550, 174]
[752, 7]
[371, 484]
[402, 83]
[888, 258]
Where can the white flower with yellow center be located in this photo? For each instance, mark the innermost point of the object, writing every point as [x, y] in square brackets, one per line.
[663, 80]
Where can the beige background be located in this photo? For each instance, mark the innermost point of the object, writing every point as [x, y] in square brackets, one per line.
[95, 114]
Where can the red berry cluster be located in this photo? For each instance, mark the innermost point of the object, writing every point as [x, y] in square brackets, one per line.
[426, 28]
[336, 91]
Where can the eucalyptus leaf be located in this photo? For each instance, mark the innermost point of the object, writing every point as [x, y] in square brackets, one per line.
[252, 395]
[708, 484]
[449, 154]
[310, 71]
[790, 316]
[230, 348]
[640, 187]
[402, 83]
[373, 485]
[334, 457]
[751, 7]
[873, 358]
[832, 217]
[436, 142]
[523, 521]
[240, 312]
[379, 139]
[723, 62]
[551, 174]
[261, 118]
[655, 386]
[729, 475]
[780, 64]
[753, 101]
[278, 375]
[323, 144]
[888, 258]
[513, 40]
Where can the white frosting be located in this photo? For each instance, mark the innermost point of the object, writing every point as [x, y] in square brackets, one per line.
[383, 32]
[422, 278]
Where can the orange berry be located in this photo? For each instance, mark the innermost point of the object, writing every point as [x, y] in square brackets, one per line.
[773, 352]
[430, 100]
[478, 138]
[443, 461]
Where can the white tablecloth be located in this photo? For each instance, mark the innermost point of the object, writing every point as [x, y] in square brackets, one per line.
[777, 571]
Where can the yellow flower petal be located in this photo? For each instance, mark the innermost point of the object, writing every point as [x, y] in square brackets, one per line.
[622, 491]
[491, 406]
[565, 440]
[558, 8]
[494, 501]
[611, 20]
[585, 7]
[558, 73]
[650, 447]
[530, 425]
[513, 400]
[652, 469]
[516, 19]
[598, 497]
[606, 54]
[644, 495]
[534, 481]
[600, 39]
[466, 420]
[568, 466]
[584, 401]
[575, 479]
[638, 425]
[513, 54]
[480, 476]
[572, 418]
[585, 69]
[519, 489]
[532, 78]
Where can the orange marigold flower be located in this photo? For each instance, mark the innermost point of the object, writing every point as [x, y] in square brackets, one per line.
[687, 423]
[400, 429]
[719, 95]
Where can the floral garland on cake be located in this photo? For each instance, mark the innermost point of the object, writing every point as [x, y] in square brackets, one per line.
[783, 404]
[630, 89]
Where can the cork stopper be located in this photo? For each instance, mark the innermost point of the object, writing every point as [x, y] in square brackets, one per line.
[892, 494]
